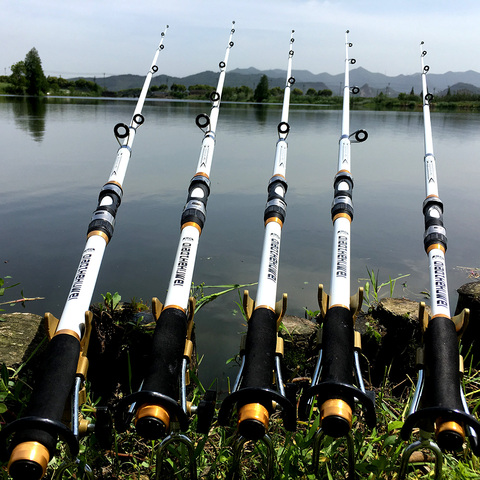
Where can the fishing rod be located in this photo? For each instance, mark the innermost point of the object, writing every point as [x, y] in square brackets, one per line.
[338, 360]
[161, 403]
[66, 364]
[253, 393]
[438, 407]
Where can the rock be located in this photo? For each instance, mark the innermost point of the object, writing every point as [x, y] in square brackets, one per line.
[469, 297]
[300, 346]
[391, 334]
[20, 334]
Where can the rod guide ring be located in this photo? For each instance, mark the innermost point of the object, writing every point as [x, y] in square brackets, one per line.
[283, 127]
[162, 46]
[426, 68]
[154, 68]
[214, 97]
[291, 80]
[291, 52]
[117, 130]
[138, 118]
[231, 44]
[428, 97]
[202, 121]
[355, 90]
[360, 135]
[353, 61]
[221, 64]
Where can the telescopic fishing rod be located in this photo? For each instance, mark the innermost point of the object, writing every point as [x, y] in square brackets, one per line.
[161, 406]
[338, 360]
[253, 393]
[66, 363]
[438, 407]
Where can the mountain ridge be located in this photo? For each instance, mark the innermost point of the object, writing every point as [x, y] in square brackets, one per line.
[437, 82]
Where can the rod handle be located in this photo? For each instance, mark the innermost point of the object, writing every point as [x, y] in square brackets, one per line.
[35, 436]
[168, 345]
[260, 348]
[442, 383]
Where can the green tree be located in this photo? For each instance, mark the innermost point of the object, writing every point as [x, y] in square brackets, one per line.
[178, 88]
[311, 91]
[36, 81]
[244, 93]
[276, 91]
[261, 92]
[81, 84]
[17, 78]
[326, 92]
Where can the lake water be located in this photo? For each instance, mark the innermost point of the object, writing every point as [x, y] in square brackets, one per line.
[56, 154]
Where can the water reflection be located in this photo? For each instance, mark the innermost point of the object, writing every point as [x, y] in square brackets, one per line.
[50, 185]
[30, 115]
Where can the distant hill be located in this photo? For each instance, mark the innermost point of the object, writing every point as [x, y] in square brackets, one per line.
[461, 88]
[250, 77]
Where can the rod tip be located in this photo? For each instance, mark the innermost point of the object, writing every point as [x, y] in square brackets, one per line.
[422, 42]
[348, 31]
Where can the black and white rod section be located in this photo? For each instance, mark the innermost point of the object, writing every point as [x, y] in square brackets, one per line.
[338, 363]
[438, 407]
[161, 401]
[35, 435]
[253, 393]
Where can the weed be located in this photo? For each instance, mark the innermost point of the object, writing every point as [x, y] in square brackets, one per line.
[111, 302]
[198, 291]
[12, 303]
[372, 287]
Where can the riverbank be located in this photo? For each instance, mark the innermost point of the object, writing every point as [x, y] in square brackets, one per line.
[390, 331]
[381, 102]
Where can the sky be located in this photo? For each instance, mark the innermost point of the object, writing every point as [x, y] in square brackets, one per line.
[104, 37]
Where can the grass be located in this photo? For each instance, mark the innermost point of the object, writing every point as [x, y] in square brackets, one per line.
[377, 452]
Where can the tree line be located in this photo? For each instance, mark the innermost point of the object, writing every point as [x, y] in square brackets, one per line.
[28, 78]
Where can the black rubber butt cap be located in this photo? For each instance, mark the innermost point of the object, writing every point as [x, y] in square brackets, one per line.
[150, 428]
[335, 426]
[450, 441]
[251, 429]
[26, 470]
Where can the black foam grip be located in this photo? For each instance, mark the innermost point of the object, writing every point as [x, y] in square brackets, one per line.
[337, 346]
[442, 380]
[167, 353]
[52, 389]
[260, 349]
